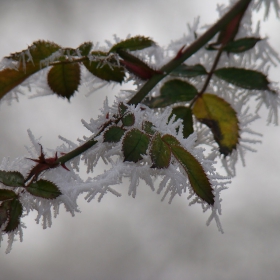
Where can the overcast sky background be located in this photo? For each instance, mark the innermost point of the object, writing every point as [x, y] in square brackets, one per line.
[142, 238]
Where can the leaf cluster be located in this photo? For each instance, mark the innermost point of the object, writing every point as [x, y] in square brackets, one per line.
[11, 209]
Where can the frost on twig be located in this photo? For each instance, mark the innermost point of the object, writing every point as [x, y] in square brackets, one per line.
[143, 143]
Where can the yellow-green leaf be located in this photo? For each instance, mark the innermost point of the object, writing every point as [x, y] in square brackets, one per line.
[221, 118]
[64, 79]
[197, 177]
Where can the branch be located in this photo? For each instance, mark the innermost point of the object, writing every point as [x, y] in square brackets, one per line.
[193, 48]
[166, 69]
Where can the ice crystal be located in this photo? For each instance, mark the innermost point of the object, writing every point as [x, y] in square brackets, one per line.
[173, 180]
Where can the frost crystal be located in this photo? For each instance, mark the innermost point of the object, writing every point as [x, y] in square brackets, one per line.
[173, 179]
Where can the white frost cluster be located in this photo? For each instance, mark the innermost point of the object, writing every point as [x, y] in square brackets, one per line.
[174, 180]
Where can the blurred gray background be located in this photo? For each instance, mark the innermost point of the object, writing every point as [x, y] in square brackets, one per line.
[142, 238]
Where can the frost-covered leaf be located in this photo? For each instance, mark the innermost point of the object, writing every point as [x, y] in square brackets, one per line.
[148, 127]
[133, 44]
[113, 134]
[189, 71]
[44, 189]
[11, 178]
[122, 108]
[85, 48]
[29, 63]
[135, 144]
[7, 194]
[244, 78]
[171, 92]
[160, 152]
[3, 215]
[128, 119]
[108, 70]
[14, 209]
[64, 79]
[136, 66]
[185, 114]
[170, 140]
[39, 50]
[221, 118]
[197, 177]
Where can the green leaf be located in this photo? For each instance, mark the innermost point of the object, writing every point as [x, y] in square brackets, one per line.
[136, 66]
[243, 78]
[148, 127]
[221, 118]
[160, 152]
[64, 79]
[122, 108]
[39, 50]
[171, 92]
[102, 70]
[44, 189]
[133, 44]
[85, 48]
[185, 114]
[189, 71]
[128, 119]
[3, 215]
[113, 134]
[14, 208]
[11, 78]
[197, 177]
[135, 144]
[241, 45]
[6, 195]
[11, 178]
[170, 140]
